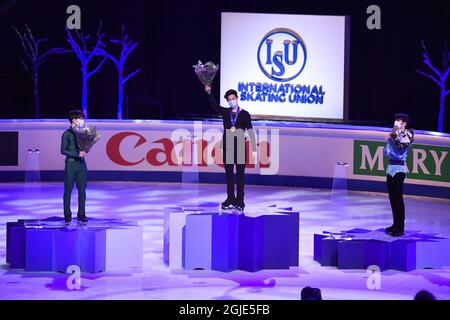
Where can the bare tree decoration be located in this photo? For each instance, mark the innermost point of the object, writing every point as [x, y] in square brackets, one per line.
[127, 46]
[35, 59]
[439, 77]
[85, 55]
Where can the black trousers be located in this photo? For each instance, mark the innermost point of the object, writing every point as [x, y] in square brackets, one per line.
[395, 189]
[75, 172]
[229, 174]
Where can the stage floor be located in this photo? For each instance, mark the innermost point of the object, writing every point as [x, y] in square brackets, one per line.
[145, 203]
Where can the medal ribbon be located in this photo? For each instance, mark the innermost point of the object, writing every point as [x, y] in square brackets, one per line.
[233, 119]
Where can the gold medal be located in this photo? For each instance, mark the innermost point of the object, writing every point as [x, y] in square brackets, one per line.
[233, 129]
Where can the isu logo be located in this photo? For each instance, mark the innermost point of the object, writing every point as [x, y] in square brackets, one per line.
[281, 55]
[132, 149]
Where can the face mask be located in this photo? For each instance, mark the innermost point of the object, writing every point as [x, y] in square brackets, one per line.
[400, 124]
[232, 103]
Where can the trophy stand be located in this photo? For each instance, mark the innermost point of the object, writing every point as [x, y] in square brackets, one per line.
[33, 172]
[189, 173]
[339, 195]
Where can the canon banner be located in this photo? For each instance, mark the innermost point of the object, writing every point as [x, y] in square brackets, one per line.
[294, 154]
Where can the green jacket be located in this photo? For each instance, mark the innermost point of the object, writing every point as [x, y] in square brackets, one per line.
[69, 146]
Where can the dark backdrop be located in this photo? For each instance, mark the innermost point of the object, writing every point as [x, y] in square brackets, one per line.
[174, 34]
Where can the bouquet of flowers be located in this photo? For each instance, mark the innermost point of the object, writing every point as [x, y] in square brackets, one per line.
[402, 137]
[206, 72]
[86, 137]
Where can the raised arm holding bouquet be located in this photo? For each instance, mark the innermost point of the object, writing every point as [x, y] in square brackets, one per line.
[206, 72]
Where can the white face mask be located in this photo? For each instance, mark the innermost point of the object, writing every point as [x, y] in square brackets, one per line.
[79, 122]
[400, 124]
[232, 103]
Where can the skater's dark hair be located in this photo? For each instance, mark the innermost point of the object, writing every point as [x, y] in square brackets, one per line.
[403, 116]
[229, 93]
[75, 114]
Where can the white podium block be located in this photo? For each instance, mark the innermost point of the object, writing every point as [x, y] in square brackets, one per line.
[176, 221]
[198, 242]
[124, 248]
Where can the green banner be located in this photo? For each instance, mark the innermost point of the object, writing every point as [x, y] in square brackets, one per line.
[424, 162]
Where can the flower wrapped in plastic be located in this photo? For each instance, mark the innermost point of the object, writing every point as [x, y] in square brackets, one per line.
[86, 136]
[206, 72]
[402, 137]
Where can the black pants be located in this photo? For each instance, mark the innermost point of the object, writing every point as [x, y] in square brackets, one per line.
[75, 172]
[240, 174]
[229, 170]
[395, 189]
